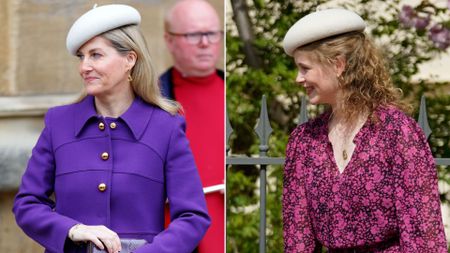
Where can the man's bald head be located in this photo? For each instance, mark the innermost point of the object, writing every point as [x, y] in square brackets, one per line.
[188, 19]
[187, 10]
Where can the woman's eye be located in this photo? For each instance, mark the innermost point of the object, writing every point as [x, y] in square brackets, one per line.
[96, 55]
[80, 57]
[303, 69]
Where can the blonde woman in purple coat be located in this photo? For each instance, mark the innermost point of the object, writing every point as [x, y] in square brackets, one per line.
[113, 158]
[359, 178]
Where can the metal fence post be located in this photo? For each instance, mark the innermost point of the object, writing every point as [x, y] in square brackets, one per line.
[263, 130]
[423, 118]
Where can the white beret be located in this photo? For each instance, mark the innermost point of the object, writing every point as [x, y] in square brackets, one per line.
[320, 25]
[99, 20]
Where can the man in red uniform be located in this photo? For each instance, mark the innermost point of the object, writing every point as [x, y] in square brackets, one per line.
[194, 37]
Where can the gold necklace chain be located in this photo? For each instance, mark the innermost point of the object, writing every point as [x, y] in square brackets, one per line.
[349, 133]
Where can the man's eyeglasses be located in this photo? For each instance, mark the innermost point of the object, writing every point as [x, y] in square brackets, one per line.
[195, 38]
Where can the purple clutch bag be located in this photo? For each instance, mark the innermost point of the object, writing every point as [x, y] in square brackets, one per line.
[128, 246]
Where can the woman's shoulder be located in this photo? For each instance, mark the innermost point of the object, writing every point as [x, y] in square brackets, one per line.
[394, 119]
[391, 115]
[160, 120]
[305, 134]
[65, 110]
[166, 118]
[312, 127]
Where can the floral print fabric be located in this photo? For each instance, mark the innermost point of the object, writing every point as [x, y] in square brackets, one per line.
[386, 199]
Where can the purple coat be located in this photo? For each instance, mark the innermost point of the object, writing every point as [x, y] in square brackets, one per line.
[115, 172]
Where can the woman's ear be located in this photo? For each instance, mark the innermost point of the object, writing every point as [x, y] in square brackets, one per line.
[131, 59]
[339, 65]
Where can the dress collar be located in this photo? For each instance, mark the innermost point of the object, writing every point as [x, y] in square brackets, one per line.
[85, 110]
[137, 116]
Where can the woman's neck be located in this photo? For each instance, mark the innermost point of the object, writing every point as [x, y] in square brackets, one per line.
[340, 123]
[113, 106]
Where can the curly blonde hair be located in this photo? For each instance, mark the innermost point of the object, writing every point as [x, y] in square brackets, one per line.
[365, 82]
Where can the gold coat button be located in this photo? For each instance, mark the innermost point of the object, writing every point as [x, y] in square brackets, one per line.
[105, 156]
[101, 126]
[102, 187]
[113, 125]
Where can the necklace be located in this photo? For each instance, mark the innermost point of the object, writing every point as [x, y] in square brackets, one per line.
[344, 154]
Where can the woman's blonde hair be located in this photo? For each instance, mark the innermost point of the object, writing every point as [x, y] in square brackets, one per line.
[365, 82]
[145, 82]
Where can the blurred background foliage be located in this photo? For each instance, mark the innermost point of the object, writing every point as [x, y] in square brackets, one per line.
[256, 64]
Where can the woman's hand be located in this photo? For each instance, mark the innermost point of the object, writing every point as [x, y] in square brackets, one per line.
[101, 236]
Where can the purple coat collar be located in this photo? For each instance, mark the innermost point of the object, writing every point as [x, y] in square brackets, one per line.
[137, 116]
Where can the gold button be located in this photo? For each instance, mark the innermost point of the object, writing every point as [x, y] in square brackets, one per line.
[105, 156]
[101, 126]
[113, 125]
[102, 187]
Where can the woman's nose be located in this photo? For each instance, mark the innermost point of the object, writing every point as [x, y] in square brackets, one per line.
[85, 66]
[300, 79]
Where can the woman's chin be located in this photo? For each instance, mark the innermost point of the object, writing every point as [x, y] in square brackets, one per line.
[314, 100]
[93, 91]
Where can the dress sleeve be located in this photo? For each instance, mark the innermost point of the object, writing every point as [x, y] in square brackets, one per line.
[297, 229]
[33, 207]
[188, 211]
[417, 197]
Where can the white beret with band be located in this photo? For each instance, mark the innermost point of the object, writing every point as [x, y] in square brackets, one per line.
[99, 20]
[320, 25]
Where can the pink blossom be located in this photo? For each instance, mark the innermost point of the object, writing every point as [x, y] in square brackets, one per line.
[409, 18]
[421, 23]
[440, 36]
[407, 15]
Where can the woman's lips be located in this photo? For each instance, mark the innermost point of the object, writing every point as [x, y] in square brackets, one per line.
[309, 90]
[90, 79]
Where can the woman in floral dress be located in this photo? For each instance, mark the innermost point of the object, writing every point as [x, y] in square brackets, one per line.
[361, 176]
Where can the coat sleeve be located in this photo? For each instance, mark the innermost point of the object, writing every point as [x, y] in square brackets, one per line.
[417, 197]
[33, 207]
[297, 229]
[188, 210]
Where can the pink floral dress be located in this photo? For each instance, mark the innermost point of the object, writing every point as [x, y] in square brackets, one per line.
[386, 199]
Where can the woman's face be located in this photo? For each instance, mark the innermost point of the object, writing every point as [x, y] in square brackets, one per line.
[103, 69]
[319, 80]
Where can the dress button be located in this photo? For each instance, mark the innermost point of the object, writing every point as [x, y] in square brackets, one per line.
[101, 126]
[102, 187]
[113, 125]
[105, 156]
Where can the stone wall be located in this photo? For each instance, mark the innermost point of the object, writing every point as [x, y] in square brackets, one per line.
[37, 72]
